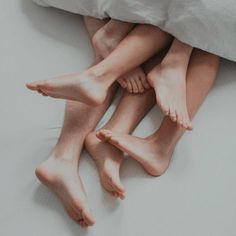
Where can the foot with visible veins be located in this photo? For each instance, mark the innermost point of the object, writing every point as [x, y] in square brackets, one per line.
[62, 178]
[86, 88]
[104, 42]
[169, 83]
[108, 160]
[151, 153]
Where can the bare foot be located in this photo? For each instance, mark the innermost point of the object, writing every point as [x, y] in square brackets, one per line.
[104, 43]
[151, 154]
[83, 87]
[169, 83]
[135, 81]
[62, 178]
[108, 160]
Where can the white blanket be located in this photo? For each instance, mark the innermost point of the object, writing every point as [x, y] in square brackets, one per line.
[206, 24]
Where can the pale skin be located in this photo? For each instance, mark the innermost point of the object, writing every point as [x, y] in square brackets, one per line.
[154, 152]
[169, 81]
[126, 117]
[91, 86]
[106, 40]
[60, 173]
[108, 158]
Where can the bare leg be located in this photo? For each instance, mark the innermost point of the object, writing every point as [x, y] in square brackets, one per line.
[93, 25]
[91, 86]
[155, 151]
[108, 158]
[60, 172]
[106, 40]
[110, 35]
[169, 81]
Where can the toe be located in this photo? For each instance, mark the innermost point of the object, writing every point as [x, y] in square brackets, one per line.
[115, 194]
[113, 140]
[88, 218]
[42, 93]
[185, 123]
[104, 135]
[129, 86]
[183, 119]
[116, 185]
[73, 215]
[173, 114]
[32, 86]
[108, 137]
[82, 223]
[165, 109]
[134, 85]
[145, 82]
[179, 119]
[190, 126]
[140, 85]
[123, 83]
[99, 134]
[107, 134]
[188, 123]
[122, 196]
[40, 85]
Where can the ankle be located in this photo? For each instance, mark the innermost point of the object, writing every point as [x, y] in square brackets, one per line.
[173, 63]
[100, 70]
[67, 151]
[116, 129]
[115, 126]
[101, 73]
[177, 59]
[165, 143]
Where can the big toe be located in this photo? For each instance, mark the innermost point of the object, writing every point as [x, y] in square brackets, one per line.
[87, 217]
[40, 85]
[114, 183]
[32, 85]
[118, 187]
[103, 134]
[184, 121]
[122, 83]
[188, 124]
[134, 85]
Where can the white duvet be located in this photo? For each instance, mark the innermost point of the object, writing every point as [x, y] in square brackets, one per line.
[206, 24]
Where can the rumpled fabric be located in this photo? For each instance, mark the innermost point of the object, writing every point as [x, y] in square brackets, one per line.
[206, 24]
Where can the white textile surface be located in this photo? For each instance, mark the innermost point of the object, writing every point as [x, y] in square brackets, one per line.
[206, 24]
[196, 196]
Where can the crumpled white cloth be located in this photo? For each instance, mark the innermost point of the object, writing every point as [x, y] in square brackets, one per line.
[206, 24]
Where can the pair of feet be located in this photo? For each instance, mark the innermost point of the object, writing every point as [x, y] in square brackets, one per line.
[169, 84]
[106, 148]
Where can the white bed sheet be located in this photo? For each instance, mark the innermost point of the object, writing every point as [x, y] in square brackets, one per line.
[197, 194]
